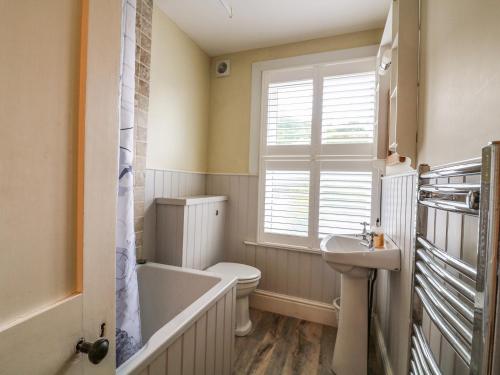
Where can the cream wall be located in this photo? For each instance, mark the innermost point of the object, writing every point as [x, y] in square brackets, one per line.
[179, 99]
[460, 79]
[229, 134]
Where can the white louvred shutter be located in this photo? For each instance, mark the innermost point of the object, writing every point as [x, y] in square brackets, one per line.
[348, 108]
[286, 202]
[289, 113]
[344, 202]
[316, 151]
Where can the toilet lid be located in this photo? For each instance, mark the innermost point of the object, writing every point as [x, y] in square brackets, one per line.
[241, 271]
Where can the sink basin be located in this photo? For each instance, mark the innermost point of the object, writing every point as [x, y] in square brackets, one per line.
[347, 255]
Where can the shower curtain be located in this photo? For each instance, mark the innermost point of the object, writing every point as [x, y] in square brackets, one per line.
[128, 324]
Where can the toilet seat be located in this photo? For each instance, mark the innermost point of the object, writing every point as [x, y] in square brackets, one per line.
[244, 273]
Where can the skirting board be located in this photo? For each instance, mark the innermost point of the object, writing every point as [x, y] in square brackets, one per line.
[295, 307]
[380, 346]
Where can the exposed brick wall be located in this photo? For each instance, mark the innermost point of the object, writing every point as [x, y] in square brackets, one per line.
[144, 19]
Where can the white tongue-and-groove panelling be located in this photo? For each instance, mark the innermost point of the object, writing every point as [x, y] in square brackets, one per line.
[165, 184]
[452, 232]
[393, 289]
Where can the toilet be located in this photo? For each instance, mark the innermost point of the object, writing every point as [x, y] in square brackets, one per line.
[248, 279]
[202, 249]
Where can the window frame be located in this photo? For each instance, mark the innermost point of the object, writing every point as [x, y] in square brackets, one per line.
[316, 155]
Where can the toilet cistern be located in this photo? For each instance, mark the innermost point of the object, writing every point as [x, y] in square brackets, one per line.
[355, 260]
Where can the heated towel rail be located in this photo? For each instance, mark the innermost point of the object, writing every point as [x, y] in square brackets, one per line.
[460, 299]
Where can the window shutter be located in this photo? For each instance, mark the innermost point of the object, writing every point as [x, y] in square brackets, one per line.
[348, 108]
[289, 113]
[316, 151]
[344, 202]
[286, 202]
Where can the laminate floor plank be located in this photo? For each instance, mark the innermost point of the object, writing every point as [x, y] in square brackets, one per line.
[280, 345]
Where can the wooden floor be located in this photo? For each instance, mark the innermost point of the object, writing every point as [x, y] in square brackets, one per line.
[279, 345]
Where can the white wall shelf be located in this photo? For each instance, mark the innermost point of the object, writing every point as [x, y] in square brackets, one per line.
[401, 37]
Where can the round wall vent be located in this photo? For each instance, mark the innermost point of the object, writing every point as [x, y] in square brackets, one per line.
[222, 68]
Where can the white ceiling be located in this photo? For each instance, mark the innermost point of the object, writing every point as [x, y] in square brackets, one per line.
[264, 23]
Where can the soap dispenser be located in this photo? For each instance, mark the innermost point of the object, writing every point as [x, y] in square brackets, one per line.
[378, 236]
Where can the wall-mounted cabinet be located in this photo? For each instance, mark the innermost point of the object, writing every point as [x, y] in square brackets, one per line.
[398, 84]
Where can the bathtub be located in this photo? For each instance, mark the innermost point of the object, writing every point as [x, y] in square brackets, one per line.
[188, 321]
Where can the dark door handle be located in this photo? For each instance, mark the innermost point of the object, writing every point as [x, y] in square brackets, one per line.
[96, 350]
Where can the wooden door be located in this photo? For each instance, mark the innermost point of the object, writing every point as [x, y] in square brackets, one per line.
[59, 85]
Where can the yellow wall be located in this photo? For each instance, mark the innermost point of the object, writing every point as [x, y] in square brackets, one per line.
[179, 99]
[229, 134]
[460, 79]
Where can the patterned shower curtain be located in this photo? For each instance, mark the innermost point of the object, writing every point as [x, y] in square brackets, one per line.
[128, 324]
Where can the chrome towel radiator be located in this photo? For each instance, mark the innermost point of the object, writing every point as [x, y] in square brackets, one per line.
[460, 300]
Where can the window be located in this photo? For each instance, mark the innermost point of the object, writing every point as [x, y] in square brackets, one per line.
[289, 113]
[348, 108]
[316, 152]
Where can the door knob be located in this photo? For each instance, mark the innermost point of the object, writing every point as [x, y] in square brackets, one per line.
[96, 350]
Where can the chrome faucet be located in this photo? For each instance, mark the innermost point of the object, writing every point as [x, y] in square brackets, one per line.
[367, 237]
[364, 224]
[367, 240]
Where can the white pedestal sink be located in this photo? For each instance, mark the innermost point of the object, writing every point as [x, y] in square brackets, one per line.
[354, 261]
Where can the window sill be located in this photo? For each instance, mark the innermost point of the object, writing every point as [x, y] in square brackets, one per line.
[299, 249]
